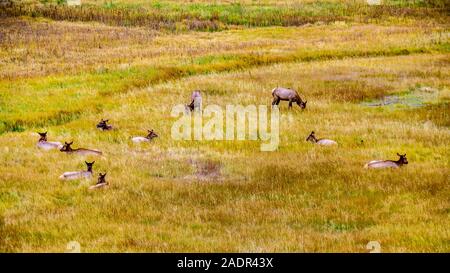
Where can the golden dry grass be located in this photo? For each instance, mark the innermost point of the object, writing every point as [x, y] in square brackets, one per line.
[205, 196]
[176, 16]
[41, 47]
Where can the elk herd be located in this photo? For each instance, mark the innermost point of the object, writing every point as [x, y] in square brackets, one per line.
[278, 94]
[44, 144]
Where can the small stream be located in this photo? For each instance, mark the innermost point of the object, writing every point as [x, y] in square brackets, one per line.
[414, 98]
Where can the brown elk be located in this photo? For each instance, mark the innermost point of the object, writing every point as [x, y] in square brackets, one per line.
[47, 145]
[381, 164]
[80, 151]
[79, 174]
[281, 93]
[101, 182]
[103, 125]
[321, 141]
[196, 102]
[151, 135]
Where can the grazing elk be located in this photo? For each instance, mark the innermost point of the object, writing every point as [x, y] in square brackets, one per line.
[101, 182]
[151, 135]
[321, 141]
[381, 164]
[80, 151]
[80, 174]
[196, 102]
[103, 125]
[286, 94]
[47, 145]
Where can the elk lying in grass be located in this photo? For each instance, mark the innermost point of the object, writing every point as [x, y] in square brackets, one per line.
[80, 174]
[321, 141]
[80, 151]
[381, 164]
[286, 94]
[196, 98]
[151, 135]
[103, 125]
[47, 145]
[101, 182]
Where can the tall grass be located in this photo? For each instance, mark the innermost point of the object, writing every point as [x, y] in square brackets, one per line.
[205, 196]
[217, 17]
[92, 92]
[321, 199]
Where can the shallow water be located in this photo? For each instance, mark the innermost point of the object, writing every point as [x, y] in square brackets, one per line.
[418, 97]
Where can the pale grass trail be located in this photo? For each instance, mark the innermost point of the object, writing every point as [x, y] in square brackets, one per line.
[96, 68]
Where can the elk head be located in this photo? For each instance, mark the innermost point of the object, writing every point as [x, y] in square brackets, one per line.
[66, 147]
[402, 160]
[101, 178]
[151, 134]
[89, 165]
[312, 137]
[43, 136]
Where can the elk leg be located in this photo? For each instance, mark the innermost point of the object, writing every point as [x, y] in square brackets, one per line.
[290, 104]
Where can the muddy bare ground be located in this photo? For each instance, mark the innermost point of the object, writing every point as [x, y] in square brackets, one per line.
[206, 170]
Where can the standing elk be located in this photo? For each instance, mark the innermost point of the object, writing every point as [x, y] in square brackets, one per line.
[281, 93]
[196, 102]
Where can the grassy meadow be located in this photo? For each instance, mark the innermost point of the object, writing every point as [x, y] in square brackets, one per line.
[62, 69]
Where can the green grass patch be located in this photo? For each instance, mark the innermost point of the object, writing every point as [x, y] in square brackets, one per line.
[57, 100]
[213, 17]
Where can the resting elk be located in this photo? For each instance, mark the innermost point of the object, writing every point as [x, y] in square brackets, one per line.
[47, 145]
[79, 174]
[381, 164]
[80, 151]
